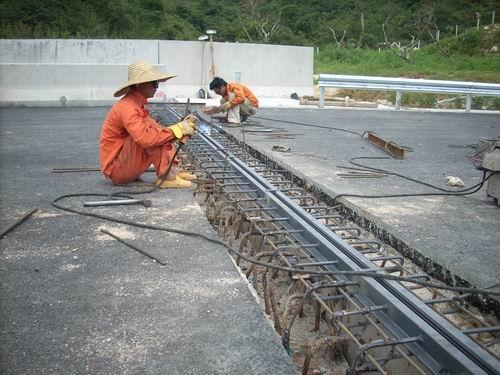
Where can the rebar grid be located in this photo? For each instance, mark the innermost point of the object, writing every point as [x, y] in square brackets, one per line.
[485, 334]
[230, 205]
[225, 205]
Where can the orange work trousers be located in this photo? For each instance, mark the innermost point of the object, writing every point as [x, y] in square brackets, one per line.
[133, 160]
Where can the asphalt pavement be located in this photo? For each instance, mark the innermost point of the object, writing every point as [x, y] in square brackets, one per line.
[74, 300]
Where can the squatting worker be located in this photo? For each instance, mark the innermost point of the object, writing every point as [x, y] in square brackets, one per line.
[131, 140]
[237, 100]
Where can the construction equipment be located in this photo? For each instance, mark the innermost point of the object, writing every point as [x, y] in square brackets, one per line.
[491, 162]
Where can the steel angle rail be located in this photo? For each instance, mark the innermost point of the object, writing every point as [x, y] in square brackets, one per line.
[464, 343]
[443, 347]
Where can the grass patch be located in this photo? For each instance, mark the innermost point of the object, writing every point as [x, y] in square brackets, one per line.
[464, 64]
[425, 63]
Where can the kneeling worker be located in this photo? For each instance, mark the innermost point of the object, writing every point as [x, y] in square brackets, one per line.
[237, 100]
[131, 140]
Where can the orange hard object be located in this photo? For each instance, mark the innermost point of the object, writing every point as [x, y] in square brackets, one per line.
[131, 141]
[241, 92]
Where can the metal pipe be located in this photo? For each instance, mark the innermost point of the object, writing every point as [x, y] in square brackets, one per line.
[118, 202]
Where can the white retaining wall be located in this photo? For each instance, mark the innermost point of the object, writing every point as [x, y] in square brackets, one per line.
[86, 71]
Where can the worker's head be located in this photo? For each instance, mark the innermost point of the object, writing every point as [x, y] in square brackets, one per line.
[219, 86]
[144, 78]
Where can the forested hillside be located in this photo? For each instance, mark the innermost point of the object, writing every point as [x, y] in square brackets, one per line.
[344, 23]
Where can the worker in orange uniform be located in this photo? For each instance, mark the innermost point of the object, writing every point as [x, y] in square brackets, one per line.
[131, 140]
[237, 100]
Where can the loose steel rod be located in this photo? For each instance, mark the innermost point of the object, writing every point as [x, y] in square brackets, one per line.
[9, 228]
[362, 311]
[134, 247]
[317, 264]
[271, 219]
[471, 331]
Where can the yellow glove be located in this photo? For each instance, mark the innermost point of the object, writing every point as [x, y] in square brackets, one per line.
[225, 107]
[183, 128]
[193, 120]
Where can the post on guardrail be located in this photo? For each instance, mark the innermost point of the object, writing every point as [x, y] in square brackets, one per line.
[399, 94]
[468, 102]
[321, 97]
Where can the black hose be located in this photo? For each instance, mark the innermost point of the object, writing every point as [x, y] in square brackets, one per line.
[311, 125]
[257, 262]
[478, 186]
[401, 175]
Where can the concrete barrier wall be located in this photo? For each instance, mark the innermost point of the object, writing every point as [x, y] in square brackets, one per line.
[78, 51]
[59, 83]
[92, 69]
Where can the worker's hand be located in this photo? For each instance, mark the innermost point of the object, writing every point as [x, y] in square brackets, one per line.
[210, 110]
[183, 128]
[191, 118]
[225, 107]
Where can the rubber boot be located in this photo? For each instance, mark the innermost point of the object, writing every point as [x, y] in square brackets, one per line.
[178, 183]
[187, 176]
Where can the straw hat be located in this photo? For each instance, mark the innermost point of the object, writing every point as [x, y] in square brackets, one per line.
[141, 72]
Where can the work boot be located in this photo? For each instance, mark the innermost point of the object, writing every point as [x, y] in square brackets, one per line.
[136, 182]
[221, 120]
[233, 124]
[178, 183]
[187, 176]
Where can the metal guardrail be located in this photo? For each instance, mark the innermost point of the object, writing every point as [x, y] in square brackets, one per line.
[401, 85]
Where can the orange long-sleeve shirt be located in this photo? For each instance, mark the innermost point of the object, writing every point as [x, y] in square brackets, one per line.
[241, 92]
[128, 117]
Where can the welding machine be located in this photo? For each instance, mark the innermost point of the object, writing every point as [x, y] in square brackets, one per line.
[491, 162]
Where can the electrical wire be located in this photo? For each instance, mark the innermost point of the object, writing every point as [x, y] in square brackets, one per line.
[362, 273]
[401, 175]
[312, 126]
[255, 261]
[407, 148]
[444, 191]
[478, 186]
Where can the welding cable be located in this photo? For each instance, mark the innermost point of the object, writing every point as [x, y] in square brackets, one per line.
[477, 187]
[362, 135]
[407, 148]
[380, 170]
[311, 125]
[364, 273]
